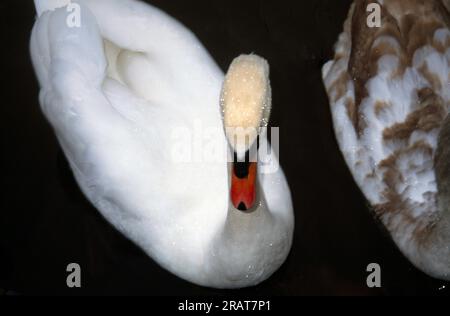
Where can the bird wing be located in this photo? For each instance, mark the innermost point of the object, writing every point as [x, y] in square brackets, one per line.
[389, 94]
[118, 133]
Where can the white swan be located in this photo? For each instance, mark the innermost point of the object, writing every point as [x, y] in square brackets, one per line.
[389, 90]
[116, 88]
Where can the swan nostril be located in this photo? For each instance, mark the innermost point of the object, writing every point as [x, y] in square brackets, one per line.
[242, 207]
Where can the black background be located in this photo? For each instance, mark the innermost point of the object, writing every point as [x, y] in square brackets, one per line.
[45, 222]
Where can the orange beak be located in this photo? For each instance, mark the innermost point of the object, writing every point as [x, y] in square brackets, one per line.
[243, 182]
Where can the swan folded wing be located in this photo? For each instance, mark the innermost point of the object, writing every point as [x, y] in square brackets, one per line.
[71, 66]
[119, 145]
[69, 60]
[174, 53]
[139, 27]
[389, 94]
[95, 114]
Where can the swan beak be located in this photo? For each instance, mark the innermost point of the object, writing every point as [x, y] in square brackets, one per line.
[243, 185]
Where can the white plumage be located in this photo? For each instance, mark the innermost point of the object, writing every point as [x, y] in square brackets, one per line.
[115, 89]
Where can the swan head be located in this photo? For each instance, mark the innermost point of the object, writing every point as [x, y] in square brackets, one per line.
[245, 102]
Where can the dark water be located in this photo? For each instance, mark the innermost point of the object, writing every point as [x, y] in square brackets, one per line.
[46, 223]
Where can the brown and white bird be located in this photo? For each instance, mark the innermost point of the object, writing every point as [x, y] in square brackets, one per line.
[389, 92]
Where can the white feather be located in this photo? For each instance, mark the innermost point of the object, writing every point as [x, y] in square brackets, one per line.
[114, 114]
